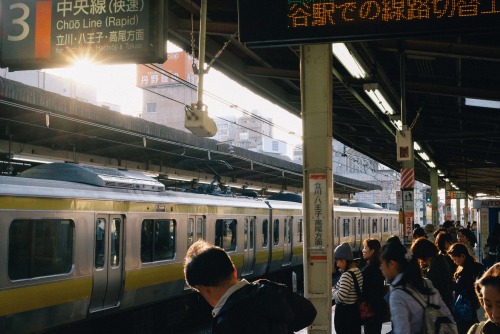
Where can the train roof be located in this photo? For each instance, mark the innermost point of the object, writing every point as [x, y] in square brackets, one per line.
[61, 180]
[94, 175]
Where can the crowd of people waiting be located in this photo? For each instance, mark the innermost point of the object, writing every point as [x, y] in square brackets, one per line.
[440, 268]
[437, 281]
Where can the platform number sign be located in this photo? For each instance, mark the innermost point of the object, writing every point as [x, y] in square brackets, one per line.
[53, 33]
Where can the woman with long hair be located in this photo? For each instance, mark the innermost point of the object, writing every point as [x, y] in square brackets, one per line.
[488, 293]
[401, 269]
[373, 285]
[465, 301]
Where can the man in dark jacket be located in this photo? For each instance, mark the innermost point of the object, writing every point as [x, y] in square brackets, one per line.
[241, 307]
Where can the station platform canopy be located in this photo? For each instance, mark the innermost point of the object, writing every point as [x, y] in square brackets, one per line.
[439, 64]
[40, 126]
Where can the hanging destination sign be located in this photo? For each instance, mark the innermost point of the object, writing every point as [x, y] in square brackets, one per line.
[53, 33]
[289, 22]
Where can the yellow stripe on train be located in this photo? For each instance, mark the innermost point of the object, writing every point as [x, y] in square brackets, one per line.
[145, 277]
[22, 299]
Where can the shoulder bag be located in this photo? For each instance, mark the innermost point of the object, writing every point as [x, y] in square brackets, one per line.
[365, 310]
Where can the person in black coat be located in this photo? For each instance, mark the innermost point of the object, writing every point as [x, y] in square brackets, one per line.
[434, 267]
[468, 271]
[240, 307]
[373, 286]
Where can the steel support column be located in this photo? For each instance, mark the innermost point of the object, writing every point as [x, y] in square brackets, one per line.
[434, 196]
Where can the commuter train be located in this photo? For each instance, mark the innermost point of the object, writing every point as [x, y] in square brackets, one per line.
[77, 241]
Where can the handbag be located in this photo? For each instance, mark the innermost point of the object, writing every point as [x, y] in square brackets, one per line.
[365, 310]
[462, 308]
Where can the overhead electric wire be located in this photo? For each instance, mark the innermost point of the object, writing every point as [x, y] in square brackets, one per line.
[220, 99]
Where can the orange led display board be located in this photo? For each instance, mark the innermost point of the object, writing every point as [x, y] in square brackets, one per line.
[289, 22]
[53, 33]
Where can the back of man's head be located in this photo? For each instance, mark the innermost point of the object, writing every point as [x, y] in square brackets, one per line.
[207, 265]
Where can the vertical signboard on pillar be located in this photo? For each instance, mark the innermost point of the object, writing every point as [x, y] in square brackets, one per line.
[319, 218]
[404, 145]
[447, 209]
[408, 226]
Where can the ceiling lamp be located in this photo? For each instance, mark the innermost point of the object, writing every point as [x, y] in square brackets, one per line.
[349, 61]
[179, 178]
[375, 93]
[431, 164]
[424, 156]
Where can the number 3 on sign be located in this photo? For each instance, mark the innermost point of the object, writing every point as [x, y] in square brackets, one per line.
[25, 28]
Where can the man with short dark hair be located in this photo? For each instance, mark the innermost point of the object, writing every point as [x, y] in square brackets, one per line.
[240, 307]
[449, 226]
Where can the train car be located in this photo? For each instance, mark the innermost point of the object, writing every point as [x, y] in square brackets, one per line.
[79, 241]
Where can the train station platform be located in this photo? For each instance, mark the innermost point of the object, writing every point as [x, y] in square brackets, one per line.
[386, 327]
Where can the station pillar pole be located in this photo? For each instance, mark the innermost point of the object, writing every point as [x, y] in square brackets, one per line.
[447, 203]
[434, 197]
[459, 213]
[316, 96]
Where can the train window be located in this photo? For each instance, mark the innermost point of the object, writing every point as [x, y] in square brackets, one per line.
[252, 224]
[276, 232]
[374, 226]
[248, 233]
[345, 226]
[158, 240]
[245, 234]
[199, 228]
[114, 256]
[386, 225]
[363, 226]
[190, 232]
[286, 230]
[299, 231]
[394, 224]
[264, 233]
[100, 233]
[225, 234]
[40, 247]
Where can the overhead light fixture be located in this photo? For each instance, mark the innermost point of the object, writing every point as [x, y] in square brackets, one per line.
[416, 147]
[34, 159]
[375, 93]
[253, 188]
[398, 124]
[424, 156]
[482, 103]
[272, 190]
[234, 185]
[431, 164]
[180, 178]
[349, 61]
[446, 179]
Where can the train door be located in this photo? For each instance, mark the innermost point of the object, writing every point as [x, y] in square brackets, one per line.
[108, 263]
[248, 246]
[195, 229]
[287, 241]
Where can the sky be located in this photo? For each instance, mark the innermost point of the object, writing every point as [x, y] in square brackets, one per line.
[116, 84]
